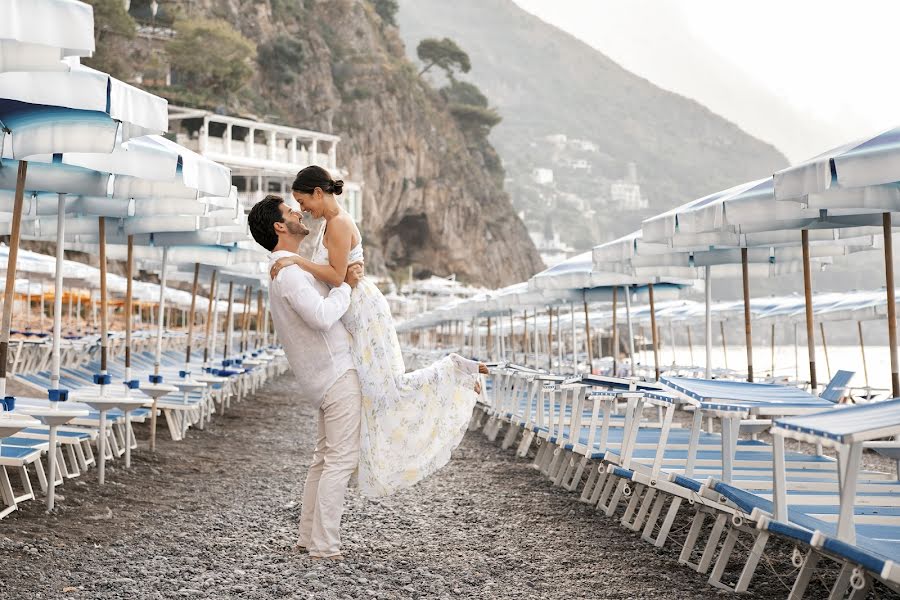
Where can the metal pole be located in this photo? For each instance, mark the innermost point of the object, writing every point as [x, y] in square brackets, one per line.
[58, 292]
[587, 333]
[512, 337]
[104, 339]
[129, 276]
[655, 332]
[748, 331]
[708, 319]
[559, 342]
[891, 303]
[630, 331]
[615, 330]
[807, 294]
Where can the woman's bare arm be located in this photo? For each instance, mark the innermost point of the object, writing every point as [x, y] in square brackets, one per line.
[340, 238]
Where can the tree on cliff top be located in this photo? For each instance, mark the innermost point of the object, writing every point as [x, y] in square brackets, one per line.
[113, 31]
[211, 56]
[444, 54]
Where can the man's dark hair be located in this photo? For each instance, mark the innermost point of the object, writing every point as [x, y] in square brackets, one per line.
[262, 219]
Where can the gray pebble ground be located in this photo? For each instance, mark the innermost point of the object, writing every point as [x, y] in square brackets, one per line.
[215, 516]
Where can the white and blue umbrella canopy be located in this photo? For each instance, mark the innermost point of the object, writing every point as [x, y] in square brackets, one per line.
[576, 273]
[751, 216]
[39, 32]
[49, 103]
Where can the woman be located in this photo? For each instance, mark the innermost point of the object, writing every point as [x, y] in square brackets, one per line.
[410, 421]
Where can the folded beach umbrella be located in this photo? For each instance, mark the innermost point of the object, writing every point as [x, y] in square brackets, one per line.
[50, 105]
[861, 177]
[746, 225]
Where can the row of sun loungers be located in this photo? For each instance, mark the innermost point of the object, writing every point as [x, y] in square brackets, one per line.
[638, 451]
[196, 392]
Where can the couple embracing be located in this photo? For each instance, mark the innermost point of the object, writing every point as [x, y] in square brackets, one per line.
[339, 338]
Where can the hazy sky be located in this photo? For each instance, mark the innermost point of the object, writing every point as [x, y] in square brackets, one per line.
[803, 75]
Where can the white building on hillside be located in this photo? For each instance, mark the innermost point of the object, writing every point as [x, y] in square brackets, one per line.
[263, 157]
[542, 176]
[625, 194]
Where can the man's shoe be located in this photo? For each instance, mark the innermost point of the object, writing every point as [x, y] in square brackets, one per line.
[333, 557]
[299, 548]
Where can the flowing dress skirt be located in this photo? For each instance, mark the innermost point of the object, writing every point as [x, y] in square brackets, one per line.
[411, 422]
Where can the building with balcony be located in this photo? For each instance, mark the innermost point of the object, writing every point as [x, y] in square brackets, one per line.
[263, 157]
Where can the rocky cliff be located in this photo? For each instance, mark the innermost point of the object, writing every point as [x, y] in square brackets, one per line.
[430, 201]
[546, 83]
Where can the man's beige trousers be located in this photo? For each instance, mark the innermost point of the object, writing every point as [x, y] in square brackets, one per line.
[334, 460]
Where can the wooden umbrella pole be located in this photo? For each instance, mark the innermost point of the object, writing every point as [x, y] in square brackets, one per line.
[724, 343]
[615, 330]
[690, 346]
[654, 331]
[129, 292]
[825, 348]
[190, 337]
[748, 330]
[891, 303]
[512, 337]
[229, 319]
[209, 316]
[245, 318]
[807, 294]
[525, 337]
[773, 350]
[862, 350]
[587, 333]
[259, 317]
[8, 293]
[550, 340]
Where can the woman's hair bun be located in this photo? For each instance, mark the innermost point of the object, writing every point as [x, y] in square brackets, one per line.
[337, 187]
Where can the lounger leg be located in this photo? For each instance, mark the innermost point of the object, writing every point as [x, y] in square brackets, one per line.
[636, 494]
[712, 543]
[87, 451]
[756, 552]
[550, 461]
[493, 429]
[646, 503]
[839, 589]
[510, 437]
[576, 477]
[588, 488]
[525, 444]
[653, 517]
[603, 501]
[715, 578]
[41, 475]
[807, 569]
[542, 447]
[26, 484]
[599, 485]
[74, 464]
[565, 473]
[693, 535]
[6, 491]
[616, 495]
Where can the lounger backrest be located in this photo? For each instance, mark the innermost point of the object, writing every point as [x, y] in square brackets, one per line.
[837, 387]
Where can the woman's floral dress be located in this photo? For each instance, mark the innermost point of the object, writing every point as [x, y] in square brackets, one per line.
[411, 422]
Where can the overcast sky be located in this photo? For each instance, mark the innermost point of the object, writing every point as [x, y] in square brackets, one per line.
[804, 75]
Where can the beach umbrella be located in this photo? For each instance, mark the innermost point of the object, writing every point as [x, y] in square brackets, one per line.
[857, 178]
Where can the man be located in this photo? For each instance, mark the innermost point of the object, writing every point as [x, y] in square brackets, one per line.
[307, 318]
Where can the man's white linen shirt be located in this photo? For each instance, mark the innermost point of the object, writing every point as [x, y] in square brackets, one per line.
[307, 319]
